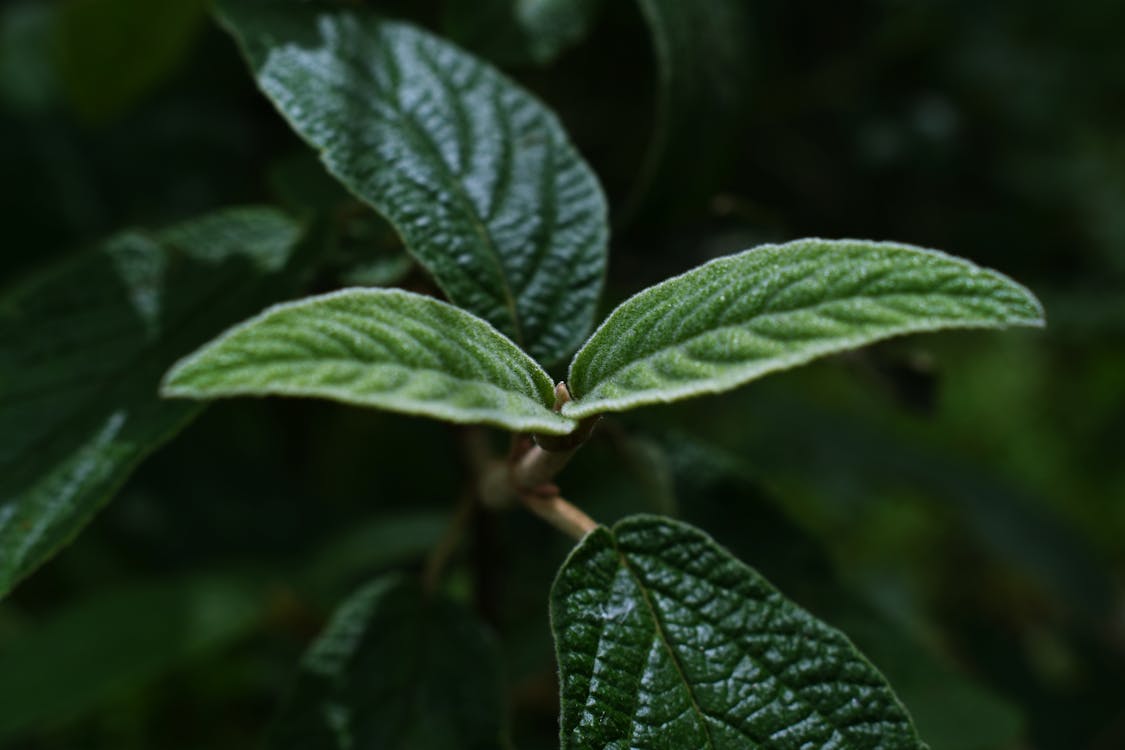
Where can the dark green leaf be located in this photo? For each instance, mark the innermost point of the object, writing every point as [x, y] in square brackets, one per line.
[950, 709]
[518, 31]
[476, 175]
[778, 306]
[84, 346]
[116, 642]
[28, 79]
[111, 52]
[702, 81]
[385, 348]
[666, 641]
[397, 669]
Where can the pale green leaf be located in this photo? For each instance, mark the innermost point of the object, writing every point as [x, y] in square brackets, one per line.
[777, 306]
[476, 175]
[515, 32]
[84, 345]
[396, 668]
[385, 348]
[666, 641]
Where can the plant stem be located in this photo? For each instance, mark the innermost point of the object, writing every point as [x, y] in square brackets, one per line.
[526, 474]
[539, 466]
[442, 552]
[561, 514]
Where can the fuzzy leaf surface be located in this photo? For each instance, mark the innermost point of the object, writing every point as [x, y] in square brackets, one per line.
[666, 641]
[82, 348]
[475, 174]
[385, 348]
[739, 317]
[396, 668]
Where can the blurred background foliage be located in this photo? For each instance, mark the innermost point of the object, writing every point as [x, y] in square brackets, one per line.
[955, 503]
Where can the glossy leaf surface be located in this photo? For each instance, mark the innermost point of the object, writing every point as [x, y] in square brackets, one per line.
[385, 348]
[396, 669]
[666, 641]
[476, 175]
[739, 317]
[83, 348]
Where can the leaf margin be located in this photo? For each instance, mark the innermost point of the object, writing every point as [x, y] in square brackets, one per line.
[550, 423]
[579, 409]
[603, 531]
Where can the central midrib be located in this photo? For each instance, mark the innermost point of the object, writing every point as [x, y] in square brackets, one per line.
[702, 717]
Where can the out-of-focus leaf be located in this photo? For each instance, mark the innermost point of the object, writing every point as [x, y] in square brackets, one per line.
[368, 547]
[112, 52]
[665, 640]
[778, 306]
[117, 641]
[385, 348]
[476, 175]
[28, 81]
[396, 668]
[847, 463]
[301, 183]
[702, 80]
[519, 31]
[82, 349]
[717, 491]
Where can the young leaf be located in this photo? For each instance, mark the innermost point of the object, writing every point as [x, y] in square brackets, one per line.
[84, 346]
[377, 347]
[396, 668]
[476, 175]
[737, 318]
[665, 640]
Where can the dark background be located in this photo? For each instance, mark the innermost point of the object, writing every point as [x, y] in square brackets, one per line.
[955, 503]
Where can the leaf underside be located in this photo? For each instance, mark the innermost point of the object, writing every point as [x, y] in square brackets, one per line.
[396, 668]
[737, 318]
[385, 348]
[85, 345]
[475, 174]
[666, 641]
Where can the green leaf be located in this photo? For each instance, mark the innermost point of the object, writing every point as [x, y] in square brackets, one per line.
[368, 546]
[515, 32]
[737, 318]
[385, 348]
[396, 668]
[702, 81]
[716, 491]
[116, 642]
[84, 347]
[112, 52]
[666, 641]
[476, 175]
